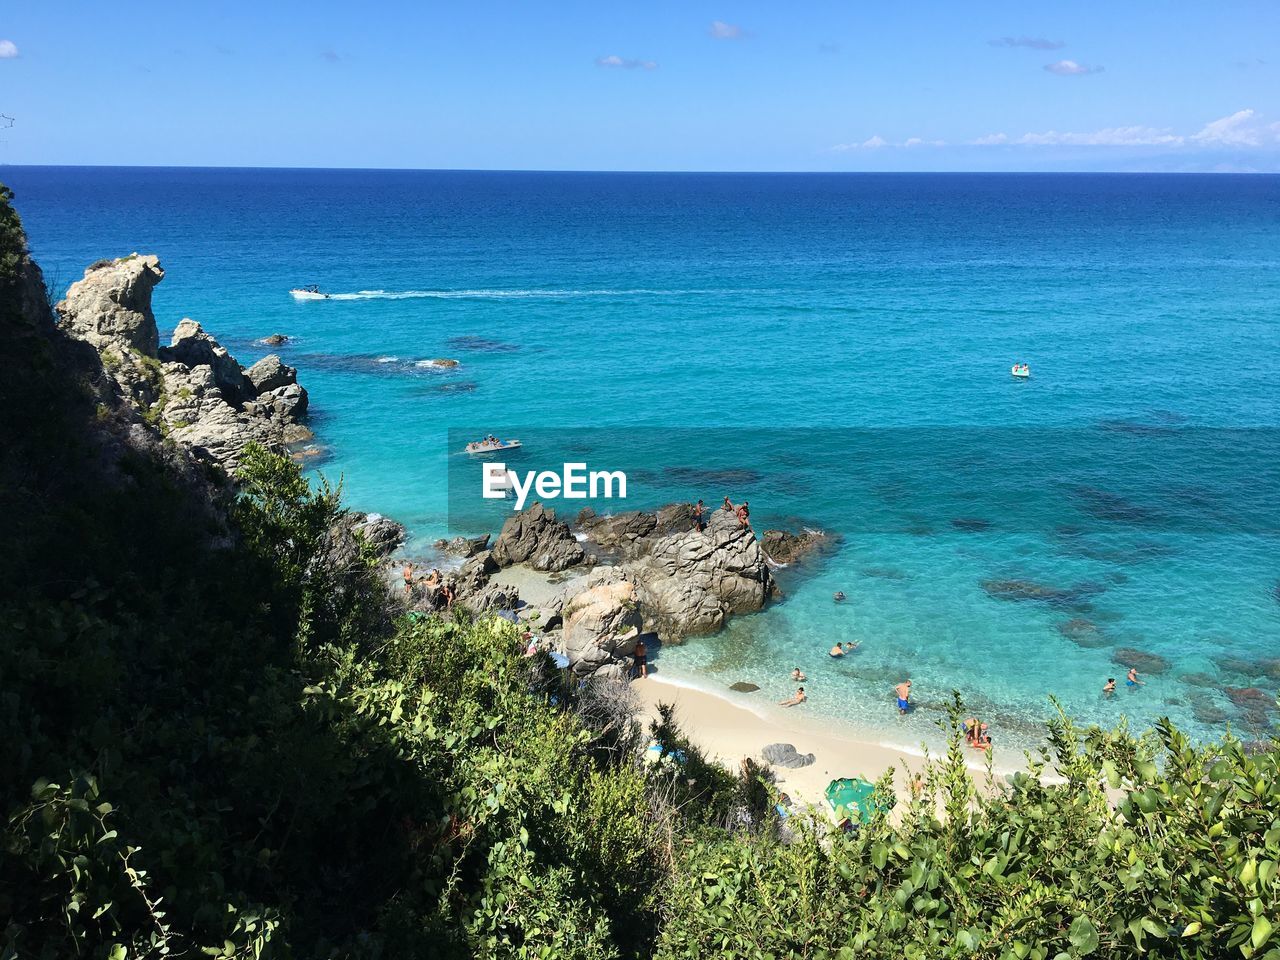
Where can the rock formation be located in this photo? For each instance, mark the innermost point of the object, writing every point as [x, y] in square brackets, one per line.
[601, 625]
[689, 582]
[193, 387]
[534, 536]
[783, 546]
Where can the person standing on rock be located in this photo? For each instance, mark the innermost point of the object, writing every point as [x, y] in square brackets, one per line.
[744, 512]
[700, 517]
[408, 579]
[642, 659]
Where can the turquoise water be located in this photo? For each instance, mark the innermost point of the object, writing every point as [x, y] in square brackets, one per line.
[833, 348]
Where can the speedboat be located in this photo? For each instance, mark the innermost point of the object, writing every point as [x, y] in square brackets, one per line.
[310, 292]
[1021, 370]
[491, 445]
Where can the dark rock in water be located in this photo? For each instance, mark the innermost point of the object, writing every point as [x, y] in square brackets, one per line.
[621, 529]
[1206, 711]
[1268, 667]
[463, 386]
[1144, 661]
[534, 536]
[971, 524]
[707, 477]
[783, 546]
[743, 687]
[482, 345]
[786, 755]
[1275, 593]
[275, 340]
[1117, 577]
[1200, 680]
[1112, 507]
[884, 573]
[1083, 633]
[1031, 590]
[1251, 698]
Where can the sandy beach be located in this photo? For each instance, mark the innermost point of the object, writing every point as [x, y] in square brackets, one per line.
[728, 732]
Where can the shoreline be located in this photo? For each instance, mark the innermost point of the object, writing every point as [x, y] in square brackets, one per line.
[727, 731]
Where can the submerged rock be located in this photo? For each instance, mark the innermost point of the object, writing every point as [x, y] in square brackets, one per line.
[971, 524]
[742, 686]
[1144, 661]
[1083, 633]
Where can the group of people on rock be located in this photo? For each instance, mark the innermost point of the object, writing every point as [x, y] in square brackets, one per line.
[434, 579]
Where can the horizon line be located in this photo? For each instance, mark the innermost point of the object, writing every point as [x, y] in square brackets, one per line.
[551, 170]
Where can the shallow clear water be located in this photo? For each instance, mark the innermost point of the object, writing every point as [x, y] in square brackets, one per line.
[839, 345]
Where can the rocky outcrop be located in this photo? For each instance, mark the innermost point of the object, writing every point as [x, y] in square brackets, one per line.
[111, 307]
[193, 387]
[688, 583]
[785, 547]
[534, 536]
[601, 625]
[463, 546]
[382, 534]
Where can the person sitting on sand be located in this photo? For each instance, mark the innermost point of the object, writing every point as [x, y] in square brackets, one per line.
[797, 699]
[642, 658]
[836, 651]
[1110, 687]
[903, 691]
[1132, 679]
[798, 676]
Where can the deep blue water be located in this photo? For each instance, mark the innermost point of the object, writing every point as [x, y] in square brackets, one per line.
[836, 349]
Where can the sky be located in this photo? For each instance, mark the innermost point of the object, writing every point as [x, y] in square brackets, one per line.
[807, 85]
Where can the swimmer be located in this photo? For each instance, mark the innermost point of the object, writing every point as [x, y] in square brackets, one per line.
[839, 596]
[1132, 679]
[1110, 686]
[836, 651]
[798, 676]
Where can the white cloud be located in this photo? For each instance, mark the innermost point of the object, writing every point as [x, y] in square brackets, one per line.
[624, 63]
[8, 50]
[726, 31]
[878, 142]
[1232, 131]
[1034, 43]
[1107, 137]
[1240, 129]
[1069, 68]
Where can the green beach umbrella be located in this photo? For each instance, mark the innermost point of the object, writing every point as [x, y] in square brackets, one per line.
[851, 797]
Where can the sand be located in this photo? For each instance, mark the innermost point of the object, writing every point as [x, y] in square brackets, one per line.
[727, 732]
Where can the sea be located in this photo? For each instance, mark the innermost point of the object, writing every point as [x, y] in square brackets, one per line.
[835, 349]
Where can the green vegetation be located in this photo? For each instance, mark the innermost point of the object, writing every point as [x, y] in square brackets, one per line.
[218, 738]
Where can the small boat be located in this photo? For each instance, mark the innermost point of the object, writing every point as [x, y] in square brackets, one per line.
[491, 445]
[309, 292]
[1021, 370]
